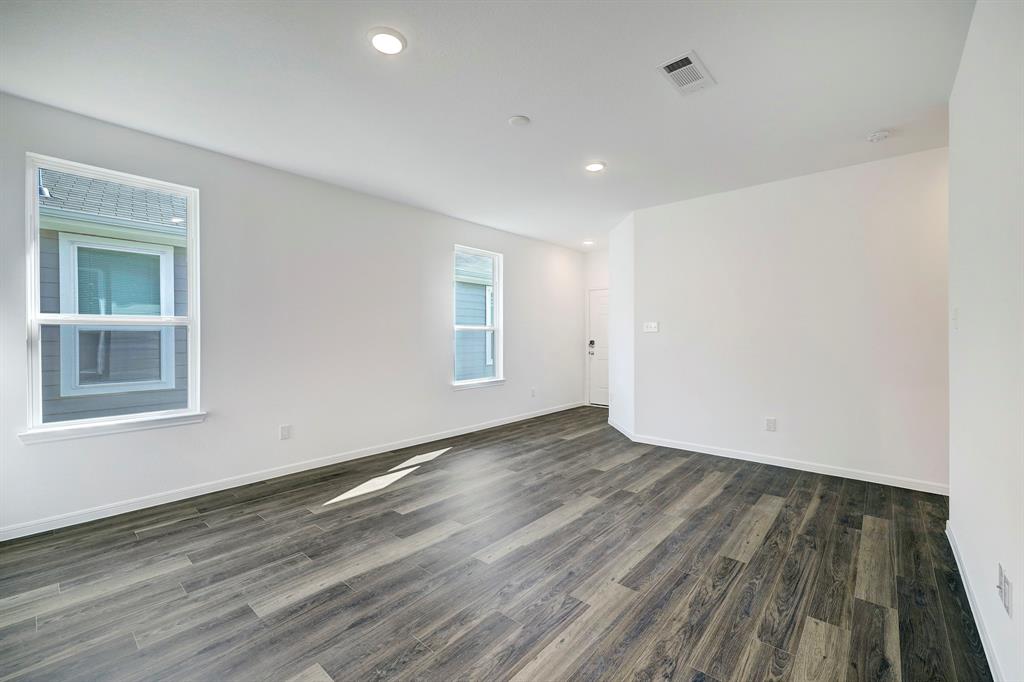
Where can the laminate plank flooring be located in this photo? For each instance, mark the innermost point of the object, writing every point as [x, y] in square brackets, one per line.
[874, 644]
[876, 574]
[549, 549]
[822, 654]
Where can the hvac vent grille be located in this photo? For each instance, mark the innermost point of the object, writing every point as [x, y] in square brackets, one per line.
[687, 73]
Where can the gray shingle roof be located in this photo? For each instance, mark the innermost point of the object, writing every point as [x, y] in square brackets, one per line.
[474, 267]
[70, 192]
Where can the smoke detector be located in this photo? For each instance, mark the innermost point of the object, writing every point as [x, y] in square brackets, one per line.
[687, 73]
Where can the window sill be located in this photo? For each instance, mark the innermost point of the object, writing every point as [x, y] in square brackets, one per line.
[45, 434]
[479, 383]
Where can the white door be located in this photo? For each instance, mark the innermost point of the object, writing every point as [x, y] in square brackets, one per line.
[597, 346]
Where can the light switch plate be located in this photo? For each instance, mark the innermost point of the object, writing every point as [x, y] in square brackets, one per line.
[650, 327]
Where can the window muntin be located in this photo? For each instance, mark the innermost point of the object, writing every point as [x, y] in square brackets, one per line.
[477, 315]
[113, 308]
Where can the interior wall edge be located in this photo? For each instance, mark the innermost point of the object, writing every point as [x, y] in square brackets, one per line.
[621, 429]
[26, 528]
[976, 612]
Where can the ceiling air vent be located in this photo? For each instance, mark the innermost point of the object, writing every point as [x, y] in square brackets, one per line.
[687, 73]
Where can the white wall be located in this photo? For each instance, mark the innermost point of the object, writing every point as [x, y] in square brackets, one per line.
[818, 300]
[986, 291]
[596, 270]
[595, 275]
[323, 308]
[621, 321]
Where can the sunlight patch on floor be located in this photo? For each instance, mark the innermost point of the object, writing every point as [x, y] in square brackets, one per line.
[420, 459]
[373, 485]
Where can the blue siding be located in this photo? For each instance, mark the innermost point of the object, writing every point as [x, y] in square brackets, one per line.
[470, 303]
[471, 355]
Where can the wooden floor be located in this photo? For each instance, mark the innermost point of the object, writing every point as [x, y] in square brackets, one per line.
[549, 549]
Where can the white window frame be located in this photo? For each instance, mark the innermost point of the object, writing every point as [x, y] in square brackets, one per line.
[493, 321]
[37, 430]
[489, 316]
[68, 245]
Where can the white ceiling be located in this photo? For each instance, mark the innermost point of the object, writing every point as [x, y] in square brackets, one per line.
[296, 85]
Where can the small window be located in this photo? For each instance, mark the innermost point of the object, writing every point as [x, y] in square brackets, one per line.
[478, 333]
[113, 304]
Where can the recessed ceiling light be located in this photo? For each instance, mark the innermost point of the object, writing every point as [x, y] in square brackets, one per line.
[588, 242]
[177, 220]
[519, 121]
[595, 166]
[387, 40]
[879, 136]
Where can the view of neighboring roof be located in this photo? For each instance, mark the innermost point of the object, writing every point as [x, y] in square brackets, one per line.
[472, 267]
[67, 192]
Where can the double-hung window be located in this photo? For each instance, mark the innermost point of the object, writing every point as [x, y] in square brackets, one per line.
[478, 329]
[113, 300]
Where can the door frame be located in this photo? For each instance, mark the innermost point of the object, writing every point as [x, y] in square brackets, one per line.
[586, 341]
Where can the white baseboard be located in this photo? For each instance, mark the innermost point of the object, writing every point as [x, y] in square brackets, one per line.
[71, 518]
[814, 467]
[986, 642]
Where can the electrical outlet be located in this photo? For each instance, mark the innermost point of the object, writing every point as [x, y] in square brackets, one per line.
[770, 424]
[533, 392]
[285, 431]
[1005, 589]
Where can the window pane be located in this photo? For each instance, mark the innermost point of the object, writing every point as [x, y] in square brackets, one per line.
[118, 282]
[116, 356]
[109, 281]
[92, 372]
[471, 301]
[474, 355]
[473, 267]
[61, 193]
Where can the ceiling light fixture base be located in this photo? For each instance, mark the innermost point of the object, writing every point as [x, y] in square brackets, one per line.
[387, 40]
